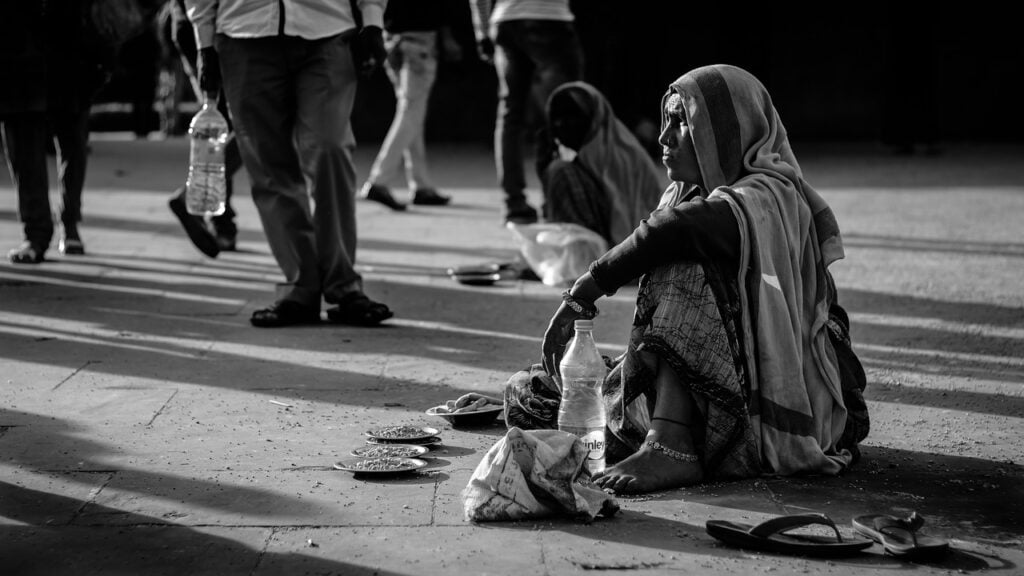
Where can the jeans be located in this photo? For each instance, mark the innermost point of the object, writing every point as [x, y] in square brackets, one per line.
[412, 67]
[532, 58]
[290, 101]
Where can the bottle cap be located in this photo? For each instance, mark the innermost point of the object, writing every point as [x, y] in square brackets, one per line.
[584, 324]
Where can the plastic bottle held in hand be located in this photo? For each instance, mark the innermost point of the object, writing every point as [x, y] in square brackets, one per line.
[206, 186]
[581, 411]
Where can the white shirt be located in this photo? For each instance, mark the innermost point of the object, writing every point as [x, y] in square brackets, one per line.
[487, 13]
[309, 19]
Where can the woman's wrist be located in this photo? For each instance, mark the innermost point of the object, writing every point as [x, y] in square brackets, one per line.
[586, 290]
[582, 308]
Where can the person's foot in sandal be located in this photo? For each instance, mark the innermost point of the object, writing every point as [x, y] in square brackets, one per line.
[356, 309]
[899, 536]
[26, 253]
[285, 313]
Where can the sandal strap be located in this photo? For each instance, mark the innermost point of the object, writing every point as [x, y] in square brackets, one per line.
[784, 523]
[910, 524]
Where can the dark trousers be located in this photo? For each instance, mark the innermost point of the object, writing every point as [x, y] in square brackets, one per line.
[532, 58]
[290, 100]
[25, 147]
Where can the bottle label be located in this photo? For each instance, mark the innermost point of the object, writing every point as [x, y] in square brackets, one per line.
[594, 441]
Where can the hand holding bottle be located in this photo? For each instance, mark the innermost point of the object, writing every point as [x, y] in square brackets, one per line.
[209, 71]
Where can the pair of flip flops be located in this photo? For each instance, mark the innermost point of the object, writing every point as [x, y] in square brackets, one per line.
[898, 536]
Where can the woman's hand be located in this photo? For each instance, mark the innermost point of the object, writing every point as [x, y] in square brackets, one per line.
[560, 330]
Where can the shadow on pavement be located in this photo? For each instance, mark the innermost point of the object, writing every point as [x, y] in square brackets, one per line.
[145, 546]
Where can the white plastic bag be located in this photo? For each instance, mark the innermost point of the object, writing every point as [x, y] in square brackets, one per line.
[558, 252]
[534, 474]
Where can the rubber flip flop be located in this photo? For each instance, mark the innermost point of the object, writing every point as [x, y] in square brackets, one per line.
[771, 536]
[899, 536]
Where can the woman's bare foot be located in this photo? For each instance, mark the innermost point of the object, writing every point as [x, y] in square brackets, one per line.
[648, 470]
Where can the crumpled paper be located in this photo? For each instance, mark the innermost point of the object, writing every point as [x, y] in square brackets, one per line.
[535, 474]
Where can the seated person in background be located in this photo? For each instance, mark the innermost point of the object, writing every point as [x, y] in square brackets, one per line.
[739, 362]
[593, 171]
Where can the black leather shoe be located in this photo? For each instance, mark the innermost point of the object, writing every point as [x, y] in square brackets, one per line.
[383, 195]
[430, 197]
[226, 243]
[194, 225]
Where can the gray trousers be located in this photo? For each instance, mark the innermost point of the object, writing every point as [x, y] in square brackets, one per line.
[290, 100]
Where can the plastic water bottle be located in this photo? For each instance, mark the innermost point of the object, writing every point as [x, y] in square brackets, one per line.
[206, 186]
[581, 411]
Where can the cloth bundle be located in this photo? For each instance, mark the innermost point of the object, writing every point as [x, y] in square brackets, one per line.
[534, 474]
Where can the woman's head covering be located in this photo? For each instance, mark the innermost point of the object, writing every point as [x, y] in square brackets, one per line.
[611, 152]
[788, 238]
[739, 137]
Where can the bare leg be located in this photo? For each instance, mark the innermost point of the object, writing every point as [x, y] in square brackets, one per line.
[673, 424]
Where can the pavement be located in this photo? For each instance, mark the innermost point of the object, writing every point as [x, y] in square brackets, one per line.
[147, 428]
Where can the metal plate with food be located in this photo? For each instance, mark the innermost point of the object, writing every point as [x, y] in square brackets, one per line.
[430, 441]
[390, 451]
[461, 417]
[469, 410]
[402, 433]
[380, 466]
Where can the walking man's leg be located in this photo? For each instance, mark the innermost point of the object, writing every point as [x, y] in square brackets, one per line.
[325, 88]
[25, 146]
[261, 87]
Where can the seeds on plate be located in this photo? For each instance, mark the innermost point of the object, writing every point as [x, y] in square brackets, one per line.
[388, 452]
[397, 432]
[380, 464]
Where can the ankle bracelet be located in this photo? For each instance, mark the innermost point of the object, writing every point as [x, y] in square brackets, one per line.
[673, 454]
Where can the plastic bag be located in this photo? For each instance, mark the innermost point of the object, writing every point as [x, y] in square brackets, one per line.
[558, 252]
[535, 474]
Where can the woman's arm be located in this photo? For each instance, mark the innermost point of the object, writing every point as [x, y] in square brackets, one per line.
[698, 230]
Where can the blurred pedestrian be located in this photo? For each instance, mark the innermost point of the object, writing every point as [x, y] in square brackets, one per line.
[79, 63]
[290, 73]
[416, 31]
[220, 232]
[593, 170]
[534, 47]
[23, 118]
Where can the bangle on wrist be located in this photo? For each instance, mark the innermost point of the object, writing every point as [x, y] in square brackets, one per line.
[585, 309]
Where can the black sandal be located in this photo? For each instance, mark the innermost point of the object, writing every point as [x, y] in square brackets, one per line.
[356, 309]
[284, 313]
[27, 253]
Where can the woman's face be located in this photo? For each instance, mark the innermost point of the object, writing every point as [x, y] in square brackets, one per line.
[569, 123]
[678, 154]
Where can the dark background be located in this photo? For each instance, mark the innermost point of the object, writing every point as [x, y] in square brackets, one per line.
[838, 72]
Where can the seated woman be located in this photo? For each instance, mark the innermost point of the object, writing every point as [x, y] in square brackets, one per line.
[739, 361]
[593, 171]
